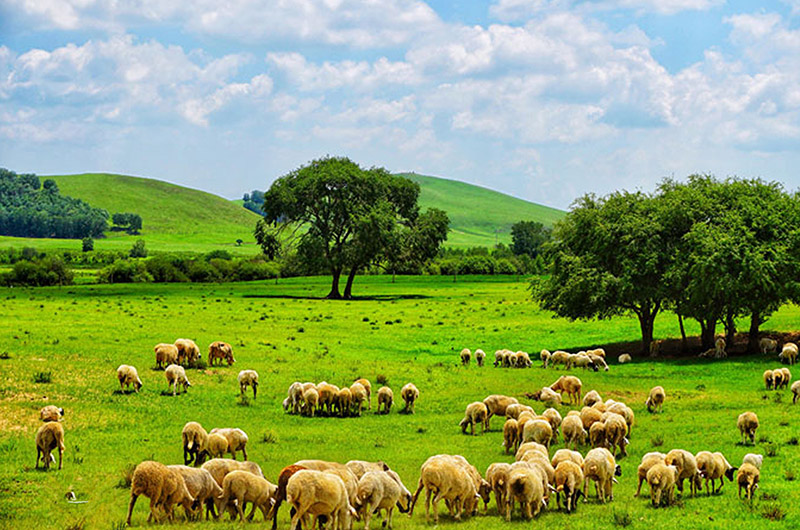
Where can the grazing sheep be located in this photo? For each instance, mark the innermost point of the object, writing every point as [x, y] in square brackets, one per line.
[566, 455]
[597, 434]
[789, 353]
[327, 396]
[241, 487]
[220, 351]
[538, 431]
[542, 462]
[465, 356]
[476, 413]
[523, 360]
[719, 349]
[589, 416]
[51, 413]
[385, 398]
[531, 446]
[359, 395]
[662, 479]
[687, 469]
[747, 424]
[600, 466]
[554, 417]
[294, 398]
[787, 377]
[248, 378]
[237, 440]
[558, 357]
[616, 433]
[569, 385]
[747, 478]
[343, 402]
[409, 393]
[187, 351]
[359, 468]
[544, 355]
[368, 388]
[777, 379]
[525, 486]
[163, 486]
[591, 397]
[573, 431]
[449, 480]
[768, 379]
[655, 401]
[497, 477]
[310, 401]
[335, 468]
[381, 490]
[767, 345]
[515, 409]
[166, 354]
[624, 358]
[648, 461]
[547, 396]
[510, 439]
[219, 467]
[480, 356]
[795, 391]
[713, 466]
[568, 481]
[202, 487]
[195, 443]
[496, 404]
[49, 436]
[217, 445]
[128, 376]
[176, 375]
[280, 494]
[753, 459]
[579, 360]
[598, 362]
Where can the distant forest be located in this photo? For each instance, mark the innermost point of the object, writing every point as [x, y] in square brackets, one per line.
[253, 201]
[29, 208]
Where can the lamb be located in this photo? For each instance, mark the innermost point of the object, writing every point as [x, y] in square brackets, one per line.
[496, 405]
[450, 481]
[558, 357]
[713, 466]
[294, 398]
[163, 486]
[237, 440]
[248, 378]
[465, 356]
[368, 388]
[662, 479]
[591, 397]
[220, 351]
[166, 354]
[201, 486]
[600, 466]
[359, 395]
[789, 353]
[538, 431]
[381, 490]
[624, 358]
[476, 413]
[570, 385]
[176, 375]
[510, 439]
[187, 351]
[768, 379]
[747, 478]
[385, 398]
[243, 487]
[128, 376]
[753, 459]
[795, 391]
[480, 356]
[195, 442]
[568, 481]
[648, 461]
[655, 400]
[49, 436]
[747, 424]
[547, 396]
[687, 469]
[524, 485]
[573, 431]
[497, 477]
[219, 467]
[51, 413]
[767, 345]
[342, 402]
[544, 355]
[280, 494]
[409, 393]
[616, 432]
[217, 445]
[310, 401]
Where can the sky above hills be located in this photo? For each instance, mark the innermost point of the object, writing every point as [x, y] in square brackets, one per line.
[542, 99]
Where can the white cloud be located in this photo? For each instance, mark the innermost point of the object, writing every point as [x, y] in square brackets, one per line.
[361, 75]
[515, 10]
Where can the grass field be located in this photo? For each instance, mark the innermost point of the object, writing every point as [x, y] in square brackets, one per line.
[408, 331]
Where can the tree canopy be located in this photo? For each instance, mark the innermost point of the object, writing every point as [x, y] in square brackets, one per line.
[527, 237]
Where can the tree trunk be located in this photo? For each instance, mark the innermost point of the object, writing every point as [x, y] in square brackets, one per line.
[730, 329]
[334, 294]
[646, 320]
[752, 335]
[348, 288]
[684, 345]
[708, 328]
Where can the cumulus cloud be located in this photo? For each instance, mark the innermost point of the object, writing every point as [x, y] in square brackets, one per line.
[355, 75]
[515, 10]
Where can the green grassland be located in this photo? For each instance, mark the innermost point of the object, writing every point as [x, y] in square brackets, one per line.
[476, 213]
[411, 330]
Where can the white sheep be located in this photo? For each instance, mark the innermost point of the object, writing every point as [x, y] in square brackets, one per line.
[573, 431]
[381, 490]
[713, 466]
[544, 355]
[248, 378]
[294, 398]
[568, 481]
[525, 486]
[795, 391]
[747, 424]
[385, 398]
[359, 396]
[51, 413]
[687, 469]
[747, 478]
[591, 398]
[195, 443]
[476, 413]
[217, 445]
[648, 461]
[789, 353]
[767, 345]
[237, 440]
[662, 479]
[624, 358]
[753, 459]
[243, 487]
[163, 486]
[655, 401]
[201, 486]
[538, 431]
[600, 466]
[465, 356]
[496, 405]
[128, 376]
[480, 356]
[176, 375]
[409, 393]
[445, 476]
[187, 351]
[166, 354]
[510, 439]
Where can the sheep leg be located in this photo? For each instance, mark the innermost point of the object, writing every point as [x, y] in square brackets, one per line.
[388, 520]
[367, 515]
[244, 452]
[509, 507]
[38, 456]
[233, 454]
[60, 456]
[130, 508]
[296, 519]
[252, 512]
[414, 498]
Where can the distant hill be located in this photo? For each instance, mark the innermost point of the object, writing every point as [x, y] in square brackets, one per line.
[475, 212]
[174, 218]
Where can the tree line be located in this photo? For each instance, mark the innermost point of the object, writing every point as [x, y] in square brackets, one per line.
[708, 249]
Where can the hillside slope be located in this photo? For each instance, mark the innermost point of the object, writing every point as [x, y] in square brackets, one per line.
[476, 213]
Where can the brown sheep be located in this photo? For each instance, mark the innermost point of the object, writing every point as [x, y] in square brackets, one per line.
[128, 376]
[497, 477]
[368, 387]
[538, 431]
[510, 439]
[568, 481]
[795, 391]
[359, 395]
[616, 432]
[787, 377]
[747, 478]
[466, 355]
[655, 400]
[49, 436]
[188, 352]
[243, 487]
[591, 397]
[359, 468]
[573, 431]
[662, 479]
[524, 485]
[280, 494]
[327, 397]
[216, 445]
[590, 415]
[319, 493]
[385, 398]
[597, 434]
[687, 469]
[476, 413]
[166, 354]
[220, 351]
[450, 479]
[310, 401]
[496, 405]
[163, 486]
[713, 466]
[570, 385]
[343, 401]
[747, 424]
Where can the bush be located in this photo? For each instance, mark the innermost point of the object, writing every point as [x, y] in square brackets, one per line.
[477, 265]
[255, 270]
[219, 254]
[167, 269]
[125, 271]
[505, 266]
[43, 377]
[47, 271]
[202, 271]
[138, 249]
[87, 244]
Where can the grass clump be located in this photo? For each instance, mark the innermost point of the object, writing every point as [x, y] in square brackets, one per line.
[621, 518]
[43, 377]
[773, 511]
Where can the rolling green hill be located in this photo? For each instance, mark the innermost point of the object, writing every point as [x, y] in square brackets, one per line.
[475, 212]
[174, 218]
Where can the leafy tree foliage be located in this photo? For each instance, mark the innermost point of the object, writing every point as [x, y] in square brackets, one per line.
[253, 201]
[87, 244]
[527, 237]
[28, 211]
[130, 222]
[138, 250]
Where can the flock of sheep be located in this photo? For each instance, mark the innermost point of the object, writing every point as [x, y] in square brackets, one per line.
[326, 399]
[588, 359]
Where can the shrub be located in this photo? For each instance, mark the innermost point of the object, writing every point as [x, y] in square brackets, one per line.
[218, 254]
[657, 441]
[202, 271]
[125, 271]
[505, 266]
[43, 377]
[621, 518]
[246, 271]
[47, 271]
[167, 269]
[773, 511]
[477, 265]
[382, 379]
[138, 249]
[87, 244]
[771, 449]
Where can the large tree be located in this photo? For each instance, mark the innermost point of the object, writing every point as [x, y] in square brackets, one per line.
[347, 215]
[527, 237]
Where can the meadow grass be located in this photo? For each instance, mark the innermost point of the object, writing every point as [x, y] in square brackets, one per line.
[411, 330]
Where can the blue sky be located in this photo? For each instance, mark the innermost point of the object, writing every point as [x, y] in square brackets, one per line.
[542, 99]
